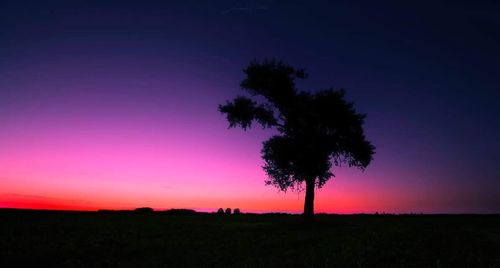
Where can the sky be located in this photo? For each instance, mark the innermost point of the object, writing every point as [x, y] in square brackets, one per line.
[113, 104]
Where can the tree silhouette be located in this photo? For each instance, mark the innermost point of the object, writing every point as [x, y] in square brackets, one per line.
[316, 130]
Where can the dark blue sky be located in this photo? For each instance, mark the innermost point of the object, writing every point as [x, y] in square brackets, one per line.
[425, 72]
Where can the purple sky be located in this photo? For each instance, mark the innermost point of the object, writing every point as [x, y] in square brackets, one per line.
[115, 105]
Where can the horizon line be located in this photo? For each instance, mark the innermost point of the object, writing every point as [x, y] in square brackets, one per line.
[250, 212]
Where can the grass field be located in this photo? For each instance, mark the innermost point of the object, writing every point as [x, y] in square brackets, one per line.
[75, 239]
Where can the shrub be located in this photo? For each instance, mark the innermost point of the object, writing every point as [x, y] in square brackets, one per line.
[180, 211]
[143, 210]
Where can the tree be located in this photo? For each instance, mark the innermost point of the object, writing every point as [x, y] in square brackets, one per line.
[316, 130]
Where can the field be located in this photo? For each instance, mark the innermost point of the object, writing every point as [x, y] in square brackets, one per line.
[79, 239]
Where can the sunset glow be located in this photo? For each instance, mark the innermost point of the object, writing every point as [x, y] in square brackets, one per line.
[118, 110]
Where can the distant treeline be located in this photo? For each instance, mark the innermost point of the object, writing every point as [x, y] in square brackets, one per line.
[146, 210]
[173, 211]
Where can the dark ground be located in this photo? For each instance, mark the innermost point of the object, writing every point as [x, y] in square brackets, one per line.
[75, 239]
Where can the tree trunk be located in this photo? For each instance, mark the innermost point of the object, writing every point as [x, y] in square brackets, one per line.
[309, 201]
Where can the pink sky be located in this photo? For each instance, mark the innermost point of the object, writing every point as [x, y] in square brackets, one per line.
[89, 163]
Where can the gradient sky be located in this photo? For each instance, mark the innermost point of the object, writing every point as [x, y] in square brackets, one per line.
[114, 105]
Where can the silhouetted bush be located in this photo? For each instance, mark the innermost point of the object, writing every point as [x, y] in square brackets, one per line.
[104, 211]
[220, 211]
[228, 211]
[180, 211]
[236, 211]
[143, 210]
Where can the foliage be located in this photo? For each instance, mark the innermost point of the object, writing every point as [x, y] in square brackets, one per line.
[316, 129]
[143, 210]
